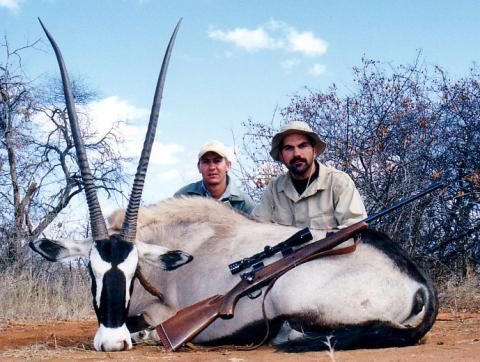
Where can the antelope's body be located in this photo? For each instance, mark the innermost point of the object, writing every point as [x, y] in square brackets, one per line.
[377, 286]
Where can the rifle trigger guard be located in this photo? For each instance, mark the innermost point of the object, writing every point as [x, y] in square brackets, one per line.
[255, 295]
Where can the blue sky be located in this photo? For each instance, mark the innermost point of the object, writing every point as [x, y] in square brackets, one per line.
[233, 60]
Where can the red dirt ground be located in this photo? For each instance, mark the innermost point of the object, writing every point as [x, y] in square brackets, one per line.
[453, 338]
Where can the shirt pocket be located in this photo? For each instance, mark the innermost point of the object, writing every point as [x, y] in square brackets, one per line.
[282, 216]
[324, 221]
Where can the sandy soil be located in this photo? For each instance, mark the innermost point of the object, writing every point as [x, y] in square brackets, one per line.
[454, 337]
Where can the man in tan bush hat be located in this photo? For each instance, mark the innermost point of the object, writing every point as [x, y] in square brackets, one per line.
[214, 164]
[310, 194]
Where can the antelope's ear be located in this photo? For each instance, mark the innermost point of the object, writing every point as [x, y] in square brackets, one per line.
[55, 250]
[162, 257]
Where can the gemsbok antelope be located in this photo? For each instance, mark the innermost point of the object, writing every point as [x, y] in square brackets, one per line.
[374, 297]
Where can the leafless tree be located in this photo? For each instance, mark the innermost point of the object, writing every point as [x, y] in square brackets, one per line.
[38, 173]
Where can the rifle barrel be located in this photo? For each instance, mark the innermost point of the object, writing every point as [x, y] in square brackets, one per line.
[431, 188]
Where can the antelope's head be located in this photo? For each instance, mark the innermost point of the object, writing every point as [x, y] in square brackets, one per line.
[113, 258]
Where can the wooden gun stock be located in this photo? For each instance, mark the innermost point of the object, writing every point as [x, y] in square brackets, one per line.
[190, 321]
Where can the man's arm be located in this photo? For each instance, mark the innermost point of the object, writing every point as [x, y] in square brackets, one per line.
[191, 189]
[349, 207]
[249, 205]
[264, 210]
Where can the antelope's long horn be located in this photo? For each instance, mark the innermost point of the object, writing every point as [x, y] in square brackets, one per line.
[130, 222]
[99, 228]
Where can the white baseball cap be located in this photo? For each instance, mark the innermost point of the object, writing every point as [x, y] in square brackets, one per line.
[214, 146]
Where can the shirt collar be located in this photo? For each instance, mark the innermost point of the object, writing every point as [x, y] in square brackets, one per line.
[231, 192]
[320, 183]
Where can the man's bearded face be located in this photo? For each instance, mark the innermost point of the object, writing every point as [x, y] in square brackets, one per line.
[298, 154]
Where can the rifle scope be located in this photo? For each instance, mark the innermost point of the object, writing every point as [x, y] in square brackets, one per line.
[296, 239]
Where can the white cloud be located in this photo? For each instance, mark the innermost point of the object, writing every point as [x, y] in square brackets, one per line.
[274, 35]
[250, 40]
[317, 70]
[108, 111]
[166, 153]
[105, 114]
[13, 5]
[306, 43]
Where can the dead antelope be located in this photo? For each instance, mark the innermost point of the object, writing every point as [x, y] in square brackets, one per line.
[375, 297]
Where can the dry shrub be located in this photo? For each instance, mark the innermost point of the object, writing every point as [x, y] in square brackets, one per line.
[460, 294]
[42, 291]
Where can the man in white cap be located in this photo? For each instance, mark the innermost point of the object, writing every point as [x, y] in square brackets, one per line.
[310, 194]
[214, 164]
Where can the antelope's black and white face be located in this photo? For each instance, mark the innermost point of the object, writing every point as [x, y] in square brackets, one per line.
[112, 266]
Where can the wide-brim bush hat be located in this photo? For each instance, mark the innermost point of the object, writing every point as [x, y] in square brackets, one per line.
[296, 127]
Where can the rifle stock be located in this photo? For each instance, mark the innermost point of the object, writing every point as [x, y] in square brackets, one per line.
[191, 320]
[188, 322]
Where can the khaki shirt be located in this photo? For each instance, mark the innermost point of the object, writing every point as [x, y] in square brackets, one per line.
[330, 201]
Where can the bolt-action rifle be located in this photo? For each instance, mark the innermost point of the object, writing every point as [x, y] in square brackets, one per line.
[191, 320]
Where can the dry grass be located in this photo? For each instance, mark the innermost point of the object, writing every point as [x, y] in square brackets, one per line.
[460, 294]
[42, 351]
[45, 291]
